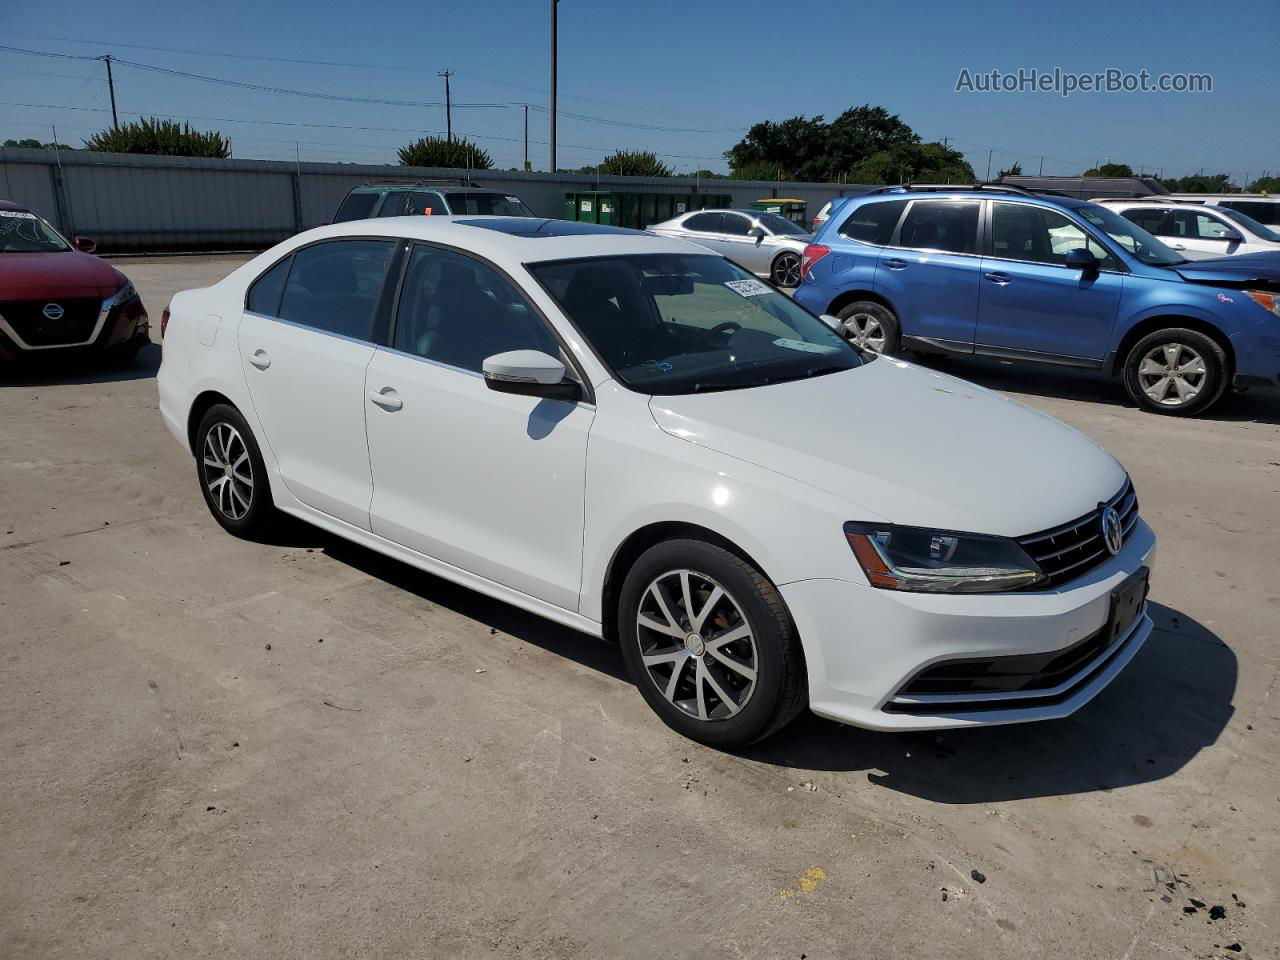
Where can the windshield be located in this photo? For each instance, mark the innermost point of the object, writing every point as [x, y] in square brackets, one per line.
[22, 232]
[1253, 226]
[487, 204]
[689, 323]
[1129, 236]
[781, 225]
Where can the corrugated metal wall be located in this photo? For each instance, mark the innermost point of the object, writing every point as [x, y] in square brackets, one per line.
[132, 202]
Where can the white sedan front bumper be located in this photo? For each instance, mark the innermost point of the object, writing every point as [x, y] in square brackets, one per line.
[864, 646]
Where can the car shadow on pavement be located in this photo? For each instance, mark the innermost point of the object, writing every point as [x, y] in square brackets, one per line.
[1170, 702]
[1066, 383]
[88, 368]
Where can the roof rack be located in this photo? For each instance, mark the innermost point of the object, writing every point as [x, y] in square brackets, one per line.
[957, 187]
[420, 181]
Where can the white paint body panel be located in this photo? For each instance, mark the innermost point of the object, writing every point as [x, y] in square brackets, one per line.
[528, 501]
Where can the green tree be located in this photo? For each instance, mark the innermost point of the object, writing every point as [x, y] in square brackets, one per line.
[914, 162]
[33, 144]
[439, 152]
[1014, 171]
[164, 137]
[1110, 170]
[633, 163]
[1265, 185]
[1200, 183]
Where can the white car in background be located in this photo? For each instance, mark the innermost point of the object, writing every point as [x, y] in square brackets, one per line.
[638, 439]
[766, 244]
[1198, 231]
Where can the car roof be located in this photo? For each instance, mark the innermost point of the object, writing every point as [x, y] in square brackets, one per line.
[510, 240]
[10, 205]
[425, 186]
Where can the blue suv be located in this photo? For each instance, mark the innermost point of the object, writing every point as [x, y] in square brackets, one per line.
[1000, 271]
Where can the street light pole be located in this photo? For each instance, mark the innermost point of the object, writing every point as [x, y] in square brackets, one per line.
[554, 30]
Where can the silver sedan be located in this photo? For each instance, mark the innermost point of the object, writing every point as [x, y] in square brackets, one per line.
[764, 243]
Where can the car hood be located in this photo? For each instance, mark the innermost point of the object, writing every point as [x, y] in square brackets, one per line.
[35, 276]
[1234, 271]
[907, 445]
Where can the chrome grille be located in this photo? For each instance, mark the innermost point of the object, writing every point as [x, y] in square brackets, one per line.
[1075, 548]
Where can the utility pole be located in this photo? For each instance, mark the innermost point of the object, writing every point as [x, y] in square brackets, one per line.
[526, 138]
[111, 85]
[988, 179]
[1041, 166]
[448, 105]
[554, 41]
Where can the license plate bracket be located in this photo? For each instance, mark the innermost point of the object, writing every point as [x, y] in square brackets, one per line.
[1126, 603]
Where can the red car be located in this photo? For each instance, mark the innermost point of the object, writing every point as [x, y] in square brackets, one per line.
[55, 296]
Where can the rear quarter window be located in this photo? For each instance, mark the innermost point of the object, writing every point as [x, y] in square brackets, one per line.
[873, 222]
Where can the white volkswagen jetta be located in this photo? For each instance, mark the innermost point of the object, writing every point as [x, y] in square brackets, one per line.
[641, 441]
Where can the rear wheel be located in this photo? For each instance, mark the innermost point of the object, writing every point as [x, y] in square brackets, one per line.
[871, 326]
[1176, 371]
[232, 475]
[710, 644]
[786, 270]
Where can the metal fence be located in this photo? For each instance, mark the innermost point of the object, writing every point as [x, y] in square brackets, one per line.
[135, 202]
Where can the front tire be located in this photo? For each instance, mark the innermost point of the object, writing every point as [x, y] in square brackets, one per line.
[232, 475]
[709, 643]
[1178, 372]
[786, 270]
[871, 326]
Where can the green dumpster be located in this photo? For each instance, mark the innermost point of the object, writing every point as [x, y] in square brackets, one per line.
[794, 210]
[634, 209]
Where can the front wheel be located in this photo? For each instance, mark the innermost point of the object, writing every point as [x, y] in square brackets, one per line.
[786, 270]
[1176, 371]
[871, 326]
[710, 644]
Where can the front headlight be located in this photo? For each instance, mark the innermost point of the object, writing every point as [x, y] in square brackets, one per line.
[123, 295]
[939, 561]
[1267, 301]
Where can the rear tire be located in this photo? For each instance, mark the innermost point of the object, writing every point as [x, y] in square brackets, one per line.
[872, 327]
[1176, 372]
[232, 475]
[710, 644]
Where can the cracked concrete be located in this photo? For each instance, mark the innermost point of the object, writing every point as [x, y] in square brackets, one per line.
[216, 748]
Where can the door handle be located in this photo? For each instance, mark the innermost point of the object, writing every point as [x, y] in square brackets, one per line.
[998, 277]
[387, 399]
[896, 264]
[260, 359]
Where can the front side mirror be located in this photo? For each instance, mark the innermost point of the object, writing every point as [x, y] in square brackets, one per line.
[529, 373]
[1082, 259]
[85, 244]
[1231, 236]
[757, 232]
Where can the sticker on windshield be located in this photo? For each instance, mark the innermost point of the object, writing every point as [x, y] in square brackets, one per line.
[17, 214]
[748, 288]
[804, 347]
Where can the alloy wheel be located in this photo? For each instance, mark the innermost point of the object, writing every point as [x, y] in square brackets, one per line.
[696, 645]
[786, 272]
[1172, 374]
[228, 470]
[865, 331]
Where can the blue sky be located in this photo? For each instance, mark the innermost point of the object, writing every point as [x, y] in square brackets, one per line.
[700, 73]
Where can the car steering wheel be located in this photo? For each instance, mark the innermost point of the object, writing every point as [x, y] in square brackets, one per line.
[719, 328]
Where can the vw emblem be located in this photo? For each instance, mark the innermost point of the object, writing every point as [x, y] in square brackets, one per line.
[1112, 531]
[53, 311]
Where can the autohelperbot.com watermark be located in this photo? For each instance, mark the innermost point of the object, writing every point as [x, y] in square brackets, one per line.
[1065, 82]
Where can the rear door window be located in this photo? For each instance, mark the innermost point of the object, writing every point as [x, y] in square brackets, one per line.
[873, 223]
[950, 225]
[357, 206]
[334, 286]
[393, 204]
[1152, 221]
[426, 203]
[264, 295]
[705, 222]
